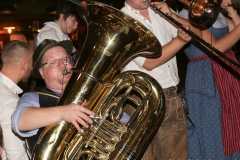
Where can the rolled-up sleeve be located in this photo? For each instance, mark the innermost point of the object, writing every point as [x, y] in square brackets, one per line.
[140, 61]
[28, 100]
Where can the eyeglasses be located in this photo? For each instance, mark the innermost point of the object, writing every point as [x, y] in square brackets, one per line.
[55, 62]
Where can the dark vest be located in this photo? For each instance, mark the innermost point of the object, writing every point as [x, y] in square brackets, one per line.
[45, 100]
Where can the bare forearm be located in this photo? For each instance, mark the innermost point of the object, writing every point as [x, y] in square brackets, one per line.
[229, 40]
[34, 118]
[181, 20]
[225, 43]
[168, 51]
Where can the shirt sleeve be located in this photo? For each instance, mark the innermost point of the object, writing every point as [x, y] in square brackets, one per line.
[183, 13]
[125, 117]
[47, 34]
[140, 61]
[13, 145]
[28, 100]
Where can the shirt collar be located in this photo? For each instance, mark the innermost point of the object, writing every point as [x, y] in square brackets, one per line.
[57, 93]
[10, 84]
[136, 11]
[130, 8]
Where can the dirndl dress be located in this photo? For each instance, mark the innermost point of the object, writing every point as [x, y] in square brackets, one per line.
[210, 109]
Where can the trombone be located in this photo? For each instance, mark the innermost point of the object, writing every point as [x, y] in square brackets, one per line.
[210, 14]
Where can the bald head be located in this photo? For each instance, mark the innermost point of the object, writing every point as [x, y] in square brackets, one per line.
[14, 51]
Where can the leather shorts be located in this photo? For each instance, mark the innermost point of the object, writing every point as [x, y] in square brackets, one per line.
[170, 92]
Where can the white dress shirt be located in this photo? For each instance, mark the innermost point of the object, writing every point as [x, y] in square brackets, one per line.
[13, 147]
[167, 73]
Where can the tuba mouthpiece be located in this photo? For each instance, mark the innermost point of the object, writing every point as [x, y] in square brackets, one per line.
[66, 71]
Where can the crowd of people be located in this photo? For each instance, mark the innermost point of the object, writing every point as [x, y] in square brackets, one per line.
[202, 126]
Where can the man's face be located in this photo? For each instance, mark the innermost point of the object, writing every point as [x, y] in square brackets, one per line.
[138, 4]
[28, 71]
[52, 72]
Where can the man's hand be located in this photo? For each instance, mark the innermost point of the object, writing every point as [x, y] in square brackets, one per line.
[77, 114]
[163, 7]
[183, 36]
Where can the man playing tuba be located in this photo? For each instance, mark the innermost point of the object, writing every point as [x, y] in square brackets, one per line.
[35, 111]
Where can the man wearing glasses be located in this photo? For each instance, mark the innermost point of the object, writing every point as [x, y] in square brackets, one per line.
[51, 59]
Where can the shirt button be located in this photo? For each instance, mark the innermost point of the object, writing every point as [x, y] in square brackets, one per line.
[168, 66]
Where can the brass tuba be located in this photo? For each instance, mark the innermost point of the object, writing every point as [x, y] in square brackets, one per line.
[113, 39]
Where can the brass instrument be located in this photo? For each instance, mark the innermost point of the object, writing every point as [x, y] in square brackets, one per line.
[204, 13]
[113, 39]
[235, 3]
[212, 49]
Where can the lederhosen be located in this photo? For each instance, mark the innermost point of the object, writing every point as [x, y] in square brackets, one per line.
[45, 100]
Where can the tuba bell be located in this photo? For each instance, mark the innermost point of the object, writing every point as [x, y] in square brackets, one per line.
[113, 39]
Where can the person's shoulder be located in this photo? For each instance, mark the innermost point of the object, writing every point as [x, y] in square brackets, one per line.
[50, 33]
[183, 13]
[46, 32]
[6, 93]
[8, 100]
[3, 87]
[123, 8]
[48, 25]
[29, 99]
[49, 28]
[29, 96]
[26, 101]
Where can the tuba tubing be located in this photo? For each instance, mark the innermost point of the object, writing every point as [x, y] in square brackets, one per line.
[194, 36]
